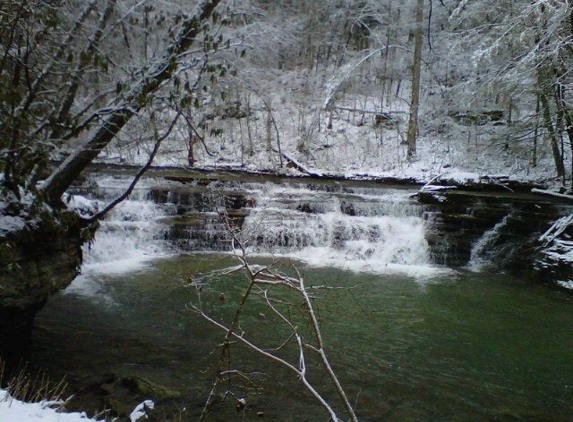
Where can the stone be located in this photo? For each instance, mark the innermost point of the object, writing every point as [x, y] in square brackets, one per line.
[36, 261]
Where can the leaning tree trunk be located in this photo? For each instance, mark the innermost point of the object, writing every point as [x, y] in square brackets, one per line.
[125, 106]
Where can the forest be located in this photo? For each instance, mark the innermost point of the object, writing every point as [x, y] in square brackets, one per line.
[413, 91]
[409, 89]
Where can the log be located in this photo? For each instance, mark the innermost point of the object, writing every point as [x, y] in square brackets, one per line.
[563, 196]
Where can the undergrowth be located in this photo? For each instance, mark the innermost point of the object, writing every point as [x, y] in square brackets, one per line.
[34, 388]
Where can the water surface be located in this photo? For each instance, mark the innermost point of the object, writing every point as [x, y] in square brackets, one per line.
[453, 346]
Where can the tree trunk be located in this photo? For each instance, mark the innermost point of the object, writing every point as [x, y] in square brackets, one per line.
[565, 113]
[535, 135]
[385, 55]
[416, 70]
[559, 166]
[151, 78]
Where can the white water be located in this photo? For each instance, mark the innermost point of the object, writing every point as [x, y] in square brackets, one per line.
[480, 257]
[129, 238]
[374, 231]
[377, 233]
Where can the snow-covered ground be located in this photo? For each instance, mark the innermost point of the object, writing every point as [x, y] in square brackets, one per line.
[12, 410]
[357, 138]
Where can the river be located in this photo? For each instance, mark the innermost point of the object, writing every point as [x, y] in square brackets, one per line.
[409, 339]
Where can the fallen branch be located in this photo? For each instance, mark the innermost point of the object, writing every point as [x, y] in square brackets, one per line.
[293, 163]
[568, 198]
[260, 281]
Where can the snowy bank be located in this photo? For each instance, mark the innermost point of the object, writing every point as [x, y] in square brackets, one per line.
[12, 410]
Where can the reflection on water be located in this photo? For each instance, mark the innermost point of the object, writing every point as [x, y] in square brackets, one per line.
[458, 347]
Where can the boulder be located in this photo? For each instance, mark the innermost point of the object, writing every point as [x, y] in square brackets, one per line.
[39, 256]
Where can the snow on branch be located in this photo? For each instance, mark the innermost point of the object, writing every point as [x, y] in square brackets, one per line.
[556, 229]
[553, 193]
[292, 162]
[127, 104]
[344, 73]
[557, 251]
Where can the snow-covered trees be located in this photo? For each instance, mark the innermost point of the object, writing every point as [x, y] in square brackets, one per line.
[79, 72]
[520, 53]
[73, 77]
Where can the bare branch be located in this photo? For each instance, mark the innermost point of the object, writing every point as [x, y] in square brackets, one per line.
[260, 281]
[139, 174]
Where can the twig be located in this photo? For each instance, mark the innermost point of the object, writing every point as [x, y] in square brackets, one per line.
[139, 174]
[267, 277]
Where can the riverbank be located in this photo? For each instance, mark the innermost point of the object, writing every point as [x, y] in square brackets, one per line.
[13, 410]
[379, 240]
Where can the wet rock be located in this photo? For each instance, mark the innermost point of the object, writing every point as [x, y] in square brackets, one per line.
[458, 220]
[36, 261]
[347, 208]
[117, 395]
[306, 208]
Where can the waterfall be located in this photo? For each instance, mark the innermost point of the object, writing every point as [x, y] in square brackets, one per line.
[128, 238]
[370, 229]
[481, 253]
[377, 233]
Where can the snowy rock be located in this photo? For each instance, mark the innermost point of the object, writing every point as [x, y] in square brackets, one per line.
[83, 206]
[39, 256]
[556, 256]
[140, 411]
[11, 224]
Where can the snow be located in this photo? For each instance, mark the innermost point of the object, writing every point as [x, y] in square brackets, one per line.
[552, 193]
[552, 234]
[558, 247]
[13, 212]
[12, 410]
[9, 223]
[567, 284]
[82, 205]
[139, 411]
[338, 140]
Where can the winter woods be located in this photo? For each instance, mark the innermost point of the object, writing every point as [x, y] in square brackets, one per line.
[408, 89]
[321, 77]
[348, 87]
[74, 74]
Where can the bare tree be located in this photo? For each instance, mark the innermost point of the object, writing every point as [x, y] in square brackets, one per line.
[266, 283]
[416, 73]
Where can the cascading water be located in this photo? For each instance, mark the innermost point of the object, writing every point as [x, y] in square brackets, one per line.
[481, 254]
[357, 228]
[362, 232]
[129, 236]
